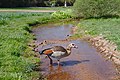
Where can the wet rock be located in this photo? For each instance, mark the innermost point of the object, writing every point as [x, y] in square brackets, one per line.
[107, 48]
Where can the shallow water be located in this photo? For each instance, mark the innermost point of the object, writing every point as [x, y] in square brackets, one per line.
[84, 63]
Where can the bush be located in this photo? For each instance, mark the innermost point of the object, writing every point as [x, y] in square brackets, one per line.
[62, 14]
[96, 8]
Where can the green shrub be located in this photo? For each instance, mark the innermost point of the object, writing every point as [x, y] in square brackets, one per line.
[96, 8]
[62, 14]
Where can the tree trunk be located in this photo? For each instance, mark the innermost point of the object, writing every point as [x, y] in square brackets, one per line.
[65, 4]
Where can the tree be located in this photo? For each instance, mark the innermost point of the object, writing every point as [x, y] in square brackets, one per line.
[31, 3]
[67, 1]
[20, 3]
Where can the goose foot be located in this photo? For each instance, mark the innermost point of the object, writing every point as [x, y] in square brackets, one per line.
[60, 64]
[58, 61]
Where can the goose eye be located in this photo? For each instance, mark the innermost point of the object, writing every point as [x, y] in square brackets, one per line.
[73, 44]
[45, 41]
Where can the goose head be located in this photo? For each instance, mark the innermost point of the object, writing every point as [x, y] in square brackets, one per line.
[71, 45]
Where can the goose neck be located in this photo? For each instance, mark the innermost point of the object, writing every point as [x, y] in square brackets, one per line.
[69, 49]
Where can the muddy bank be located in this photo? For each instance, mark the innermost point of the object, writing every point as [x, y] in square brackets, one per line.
[84, 63]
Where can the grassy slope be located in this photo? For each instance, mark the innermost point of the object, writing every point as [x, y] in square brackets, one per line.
[110, 28]
[14, 36]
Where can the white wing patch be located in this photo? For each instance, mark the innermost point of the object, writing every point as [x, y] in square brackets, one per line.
[57, 54]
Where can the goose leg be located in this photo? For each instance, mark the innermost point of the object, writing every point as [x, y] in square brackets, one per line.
[51, 62]
[58, 62]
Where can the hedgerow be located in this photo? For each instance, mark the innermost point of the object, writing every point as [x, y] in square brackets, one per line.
[96, 8]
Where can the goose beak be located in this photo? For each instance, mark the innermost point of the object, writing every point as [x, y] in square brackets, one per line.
[76, 47]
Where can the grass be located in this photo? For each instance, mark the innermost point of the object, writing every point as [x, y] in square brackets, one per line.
[110, 28]
[37, 8]
[14, 37]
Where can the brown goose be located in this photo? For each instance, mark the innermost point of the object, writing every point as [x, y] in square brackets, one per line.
[58, 52]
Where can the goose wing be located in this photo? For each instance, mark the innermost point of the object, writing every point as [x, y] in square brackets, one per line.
[59, 48]
[48, 51]
[59, 52]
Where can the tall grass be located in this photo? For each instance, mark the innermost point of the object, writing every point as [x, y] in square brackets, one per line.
[14, 37]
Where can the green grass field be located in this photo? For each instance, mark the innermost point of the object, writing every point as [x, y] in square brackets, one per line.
[37, 8]
[110, 28]
[16, 58]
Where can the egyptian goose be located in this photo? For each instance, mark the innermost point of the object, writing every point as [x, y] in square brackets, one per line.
[58, 52]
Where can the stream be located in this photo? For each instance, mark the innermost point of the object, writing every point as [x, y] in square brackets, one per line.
[84, 63]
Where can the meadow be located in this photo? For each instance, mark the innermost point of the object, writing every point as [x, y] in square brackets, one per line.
[38, 8]
[16, 58]
[14, 35]
[109, 28]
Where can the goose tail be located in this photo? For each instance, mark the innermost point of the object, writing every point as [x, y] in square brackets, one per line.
[41, 52]
[46, 51]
